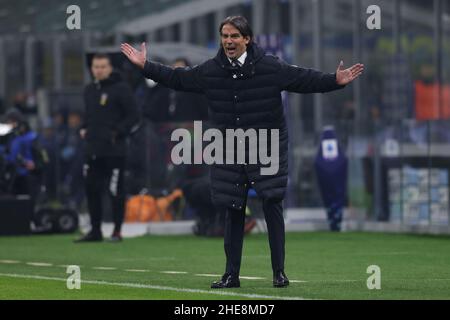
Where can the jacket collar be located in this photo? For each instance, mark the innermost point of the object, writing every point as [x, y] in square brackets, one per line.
[241, 59]
[254, 54]
[115, 77]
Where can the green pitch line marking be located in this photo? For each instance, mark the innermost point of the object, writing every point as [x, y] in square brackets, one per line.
[154, 287]
[174, 272]
[136, 270]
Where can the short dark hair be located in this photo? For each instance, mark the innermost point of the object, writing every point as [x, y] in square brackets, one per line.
[240, 23]
[14, 115]
[102, 56]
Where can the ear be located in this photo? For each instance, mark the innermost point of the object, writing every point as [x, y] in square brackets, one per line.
[247, 39]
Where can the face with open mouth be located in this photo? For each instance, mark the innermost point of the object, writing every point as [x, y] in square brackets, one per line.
[233, 43]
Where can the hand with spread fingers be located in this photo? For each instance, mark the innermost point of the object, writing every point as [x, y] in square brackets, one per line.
[135, 56]
[345, 76]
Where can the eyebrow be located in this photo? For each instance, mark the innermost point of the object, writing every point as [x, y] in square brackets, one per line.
[233, 34]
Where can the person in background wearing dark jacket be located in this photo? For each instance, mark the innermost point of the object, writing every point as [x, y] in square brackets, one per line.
[21, 156]
[110, 115]
[162, 104]
[185, 106]
[243, 86]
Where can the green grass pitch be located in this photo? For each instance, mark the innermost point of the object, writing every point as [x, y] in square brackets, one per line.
[323, 266]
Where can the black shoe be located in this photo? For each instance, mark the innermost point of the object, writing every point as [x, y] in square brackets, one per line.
[280, 279]
[228, 281]
[90, 237]
[115, 237]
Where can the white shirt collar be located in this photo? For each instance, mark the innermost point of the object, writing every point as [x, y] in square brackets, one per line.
[241, 59]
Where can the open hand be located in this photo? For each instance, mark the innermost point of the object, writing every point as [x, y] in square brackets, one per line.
[345, 76]
[83, 133]
[135, 56]
[29, 165]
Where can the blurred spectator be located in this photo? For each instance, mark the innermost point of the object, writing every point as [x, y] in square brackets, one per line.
[73, 158]
[22, 155]
[331, 170]
[210, 220]
[186, 106]
[164, 107]
[161, 104]
[153, 98]
[2, 106]
[48, 141]
[149, 147]
[25, 103]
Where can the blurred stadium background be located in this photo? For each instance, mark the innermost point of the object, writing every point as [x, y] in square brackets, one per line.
[392, 122]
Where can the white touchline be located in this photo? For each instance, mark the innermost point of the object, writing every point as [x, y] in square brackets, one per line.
[336, 280]
[9, 261]
[251, 278]
[40, 264]
[147, 286]
[418, 280]
[43, 264]
[67, 265]
[219, 275]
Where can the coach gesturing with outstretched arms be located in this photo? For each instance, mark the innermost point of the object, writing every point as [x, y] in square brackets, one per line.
[243, 86]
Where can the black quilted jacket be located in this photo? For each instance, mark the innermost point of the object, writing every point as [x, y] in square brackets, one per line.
[245, 97]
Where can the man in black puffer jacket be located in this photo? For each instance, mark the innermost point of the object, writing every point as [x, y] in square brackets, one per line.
[111, 113]
[243, 87]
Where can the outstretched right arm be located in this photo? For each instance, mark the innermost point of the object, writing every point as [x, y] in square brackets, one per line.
[184, 79]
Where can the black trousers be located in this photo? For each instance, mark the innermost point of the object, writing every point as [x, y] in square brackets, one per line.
[105, 174]
[234, 236]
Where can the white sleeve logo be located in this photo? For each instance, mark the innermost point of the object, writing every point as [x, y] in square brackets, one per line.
[329, 149]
